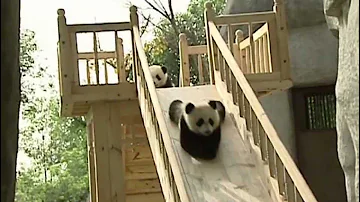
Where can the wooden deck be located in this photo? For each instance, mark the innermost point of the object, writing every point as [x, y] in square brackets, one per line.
[233, 175]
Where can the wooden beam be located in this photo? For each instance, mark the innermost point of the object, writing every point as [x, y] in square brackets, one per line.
[99, 27]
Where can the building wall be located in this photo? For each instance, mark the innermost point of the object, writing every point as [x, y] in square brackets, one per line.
[313, 57]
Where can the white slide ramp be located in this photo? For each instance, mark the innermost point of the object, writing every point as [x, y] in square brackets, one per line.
[233, 175]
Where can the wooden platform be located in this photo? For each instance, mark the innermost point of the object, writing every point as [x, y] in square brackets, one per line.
[232, 176]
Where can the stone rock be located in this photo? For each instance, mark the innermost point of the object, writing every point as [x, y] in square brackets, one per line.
[344, 15]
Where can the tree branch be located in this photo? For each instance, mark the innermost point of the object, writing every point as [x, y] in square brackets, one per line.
[158, 10]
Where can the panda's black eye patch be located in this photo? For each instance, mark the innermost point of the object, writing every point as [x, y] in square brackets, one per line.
[211, 122]
[200, 122]
[158, 77]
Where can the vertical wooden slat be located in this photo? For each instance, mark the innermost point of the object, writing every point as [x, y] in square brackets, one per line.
[221, 67]
[230, 38]
[298, 198]
[200, 69]
[88, 72]
[280, 173]
[91, 157]
[252, 48]
[96, 63]
[256, 55]
[239, 37]
[184, 61]
[254, 127]
[120, 61]
[247, 60]
[271, 157]
[263, 144]
[227, 77]
[75, 63]
[241, 101]
[261, 54]
[266, 53]
[106, 72]
[290, 188]
[247, 114]
[233, 88]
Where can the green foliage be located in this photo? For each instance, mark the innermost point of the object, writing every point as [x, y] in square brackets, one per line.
[56, 145]
[164, 48]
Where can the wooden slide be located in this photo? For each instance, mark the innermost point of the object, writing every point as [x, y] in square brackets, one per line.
[233, 175]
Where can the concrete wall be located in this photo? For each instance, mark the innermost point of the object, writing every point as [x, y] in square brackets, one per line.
[313, 57]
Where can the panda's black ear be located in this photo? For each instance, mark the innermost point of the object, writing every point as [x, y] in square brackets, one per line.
[189, 107]
[164, 69]
[212, 103]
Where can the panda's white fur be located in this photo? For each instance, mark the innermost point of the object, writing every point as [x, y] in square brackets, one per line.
[203, 119]
[160, 76]
[200, 131]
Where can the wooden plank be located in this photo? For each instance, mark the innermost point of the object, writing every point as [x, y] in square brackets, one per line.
[148, 197]
[244, 18]
[123, 91]
[99, 27]
[195, 50]
[102, 165]
[115, 134]
[100, 55]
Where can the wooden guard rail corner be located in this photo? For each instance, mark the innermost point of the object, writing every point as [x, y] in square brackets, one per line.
[291, 184]
[164, 155]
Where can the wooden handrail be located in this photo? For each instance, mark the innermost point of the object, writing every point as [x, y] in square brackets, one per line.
[258, 34]
[159, 115]
[245, 18]
[254, 103]
[99, 27]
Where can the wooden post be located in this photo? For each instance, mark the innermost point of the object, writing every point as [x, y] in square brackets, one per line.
[209, 16]
[109, 172]
[91, 157]
[184, 77]
[120, 59]
[96, 62]
[282, 33]
[134, 21]
[239, 56]
[65, 72]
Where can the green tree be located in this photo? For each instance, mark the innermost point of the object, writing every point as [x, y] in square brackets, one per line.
[56, 145]
[164, 48]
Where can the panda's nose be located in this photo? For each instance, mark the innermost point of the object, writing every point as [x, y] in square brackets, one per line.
[207, 132]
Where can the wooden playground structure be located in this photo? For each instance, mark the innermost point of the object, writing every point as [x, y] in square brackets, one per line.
[134, 153]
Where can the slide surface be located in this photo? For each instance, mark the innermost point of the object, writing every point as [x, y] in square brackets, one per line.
[233, 175]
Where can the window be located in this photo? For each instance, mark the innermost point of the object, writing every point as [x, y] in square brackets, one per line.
[320, 111]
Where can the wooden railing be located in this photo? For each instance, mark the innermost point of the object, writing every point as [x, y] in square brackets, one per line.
[244, 103]
[70, 57]
[198, 53]
[257, 55]
[163, 153]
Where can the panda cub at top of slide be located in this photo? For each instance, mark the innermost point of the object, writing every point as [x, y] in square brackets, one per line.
[160, 76]
[200, 130]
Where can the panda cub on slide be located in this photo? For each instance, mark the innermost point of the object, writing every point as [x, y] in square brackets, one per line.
[200, 130]
[160, 76]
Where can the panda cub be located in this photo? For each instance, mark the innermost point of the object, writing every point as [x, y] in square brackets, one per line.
[160, 76]
[200, 130]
